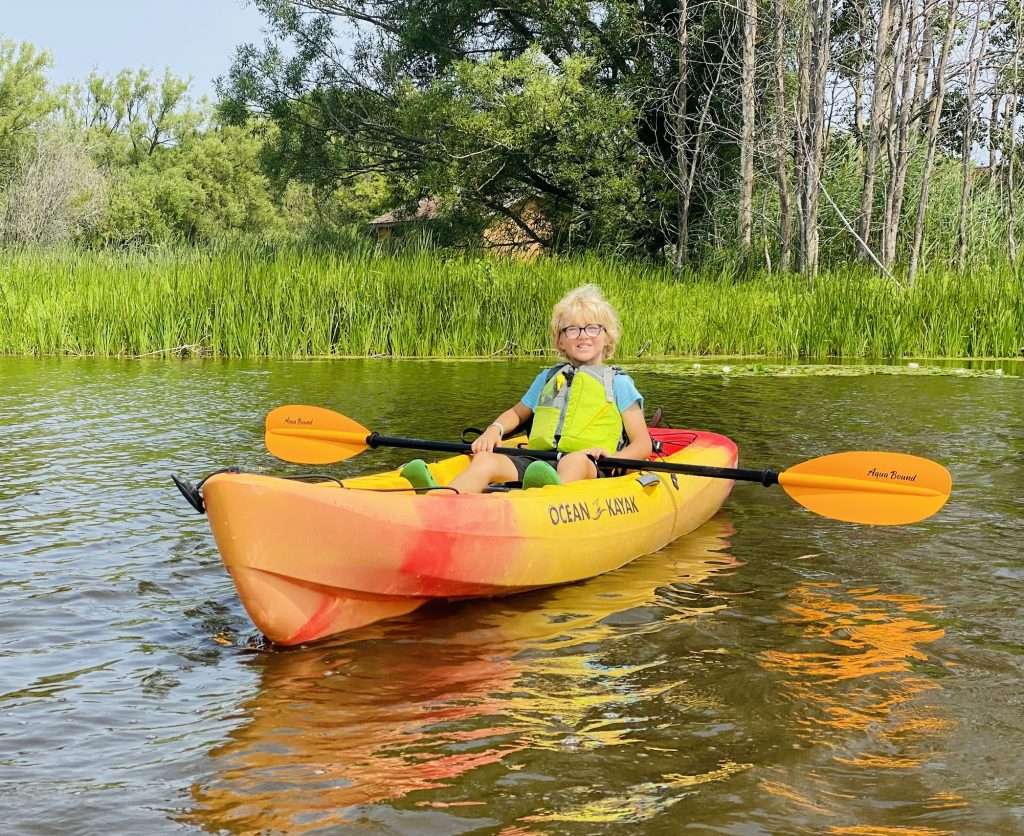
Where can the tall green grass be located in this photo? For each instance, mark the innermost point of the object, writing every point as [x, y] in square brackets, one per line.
[304, 302]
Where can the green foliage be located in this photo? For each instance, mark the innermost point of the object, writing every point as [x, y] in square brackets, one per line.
[306, 210]
[169, 175]
[128, 117]
[208, 187]
[513, 129]
[25, 99]
[485, 106]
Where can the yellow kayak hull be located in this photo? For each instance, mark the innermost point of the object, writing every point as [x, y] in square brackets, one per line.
[313, 560]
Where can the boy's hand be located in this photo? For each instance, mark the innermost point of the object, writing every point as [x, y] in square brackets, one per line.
[596, 452]
[487, 441]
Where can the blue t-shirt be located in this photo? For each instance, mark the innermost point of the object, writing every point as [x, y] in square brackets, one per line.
[623, 388]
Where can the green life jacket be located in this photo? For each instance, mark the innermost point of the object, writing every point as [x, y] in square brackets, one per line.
[577, 410]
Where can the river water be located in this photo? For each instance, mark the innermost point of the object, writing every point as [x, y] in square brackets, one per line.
[774, 672]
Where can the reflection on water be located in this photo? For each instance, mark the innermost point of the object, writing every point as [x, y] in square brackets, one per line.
[470, 687]
[640, 801]
[850, 672]
[852, 640]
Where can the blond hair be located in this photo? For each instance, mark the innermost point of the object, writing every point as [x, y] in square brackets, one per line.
[587, 305]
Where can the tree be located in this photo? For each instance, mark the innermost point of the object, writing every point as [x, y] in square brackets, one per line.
[210, 186]
[342, 114]
[783, 131]
[25, 100]
[747, 136]
[130, 115]
[932, 137]
[56, 194]
[881, 91]
[680, 135]
[975, 51]
[813, 60]
[504, 131]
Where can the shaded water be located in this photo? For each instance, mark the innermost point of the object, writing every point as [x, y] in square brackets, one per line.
[775, 672]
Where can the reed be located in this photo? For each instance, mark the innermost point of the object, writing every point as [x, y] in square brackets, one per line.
[303, 302]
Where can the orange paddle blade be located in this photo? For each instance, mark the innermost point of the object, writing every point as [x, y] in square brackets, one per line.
[313, 435]
[874, 487]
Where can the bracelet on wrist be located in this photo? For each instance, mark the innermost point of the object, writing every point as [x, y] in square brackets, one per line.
[501, 429]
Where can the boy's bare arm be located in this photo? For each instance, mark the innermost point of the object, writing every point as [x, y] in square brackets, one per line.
[504, 423]
[635, 424]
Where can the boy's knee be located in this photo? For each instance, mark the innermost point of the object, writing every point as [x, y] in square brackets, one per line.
[576, 465]
[488, 463]
[568, 460]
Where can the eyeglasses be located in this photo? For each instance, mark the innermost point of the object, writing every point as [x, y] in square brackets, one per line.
[573, 331]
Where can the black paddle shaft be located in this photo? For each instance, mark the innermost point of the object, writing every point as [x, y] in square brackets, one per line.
[739, 474]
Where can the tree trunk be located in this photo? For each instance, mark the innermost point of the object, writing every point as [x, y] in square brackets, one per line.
[967, 180]
[924, 63]
[812, 131]
[1010, 154]
[932, 139]
[879, 94]
[993, 116]
[1010, 147]
[700, 139]
[746, 207]
[863, 15]
[683, 190]
[781, 141]
[800, 154]
[904, 110]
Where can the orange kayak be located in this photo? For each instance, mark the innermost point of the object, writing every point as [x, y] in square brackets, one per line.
[313, 560]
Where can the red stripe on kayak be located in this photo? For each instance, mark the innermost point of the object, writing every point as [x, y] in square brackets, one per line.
[317, 622]
[462, 540]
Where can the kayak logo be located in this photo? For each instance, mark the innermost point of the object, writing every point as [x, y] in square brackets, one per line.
[893, 475]
[570, 512]
[300, 422]
[617, 505]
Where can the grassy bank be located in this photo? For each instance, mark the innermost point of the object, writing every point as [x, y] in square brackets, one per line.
[301, 303]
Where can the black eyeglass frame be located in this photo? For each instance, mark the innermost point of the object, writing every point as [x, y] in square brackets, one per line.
[587, 329]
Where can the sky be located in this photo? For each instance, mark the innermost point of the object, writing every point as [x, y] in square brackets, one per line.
[194, 38]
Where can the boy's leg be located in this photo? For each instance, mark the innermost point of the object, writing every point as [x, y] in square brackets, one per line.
[483, 470]
[575, 466]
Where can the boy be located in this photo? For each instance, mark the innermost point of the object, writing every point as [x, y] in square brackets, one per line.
[581, 407]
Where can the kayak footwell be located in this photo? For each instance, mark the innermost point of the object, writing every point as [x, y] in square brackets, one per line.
[291, 611]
